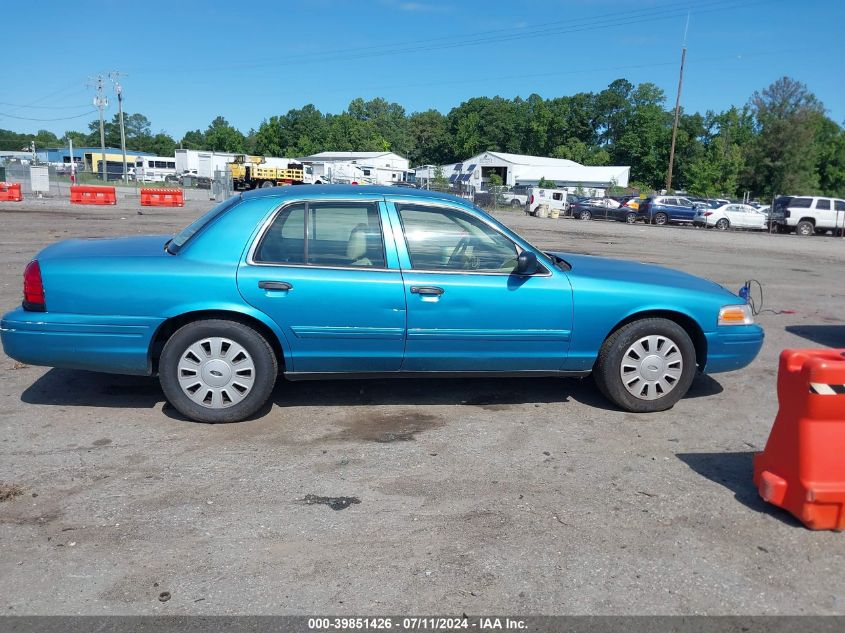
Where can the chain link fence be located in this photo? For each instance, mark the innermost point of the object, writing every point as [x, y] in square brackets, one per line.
[218, 187]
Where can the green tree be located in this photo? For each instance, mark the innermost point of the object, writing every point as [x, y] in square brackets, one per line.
[222, 137]
[439, 182]
[546, 184]
[193, 139]
[161, 144]
[429, 138]
[784, 155]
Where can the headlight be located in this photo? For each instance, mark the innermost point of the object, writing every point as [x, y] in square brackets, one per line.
[736, 315]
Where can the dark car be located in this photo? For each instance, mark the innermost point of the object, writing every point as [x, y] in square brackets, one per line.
[668, 209]
[598, 209]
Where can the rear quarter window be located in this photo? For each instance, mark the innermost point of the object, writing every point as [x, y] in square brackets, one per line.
[801, 203]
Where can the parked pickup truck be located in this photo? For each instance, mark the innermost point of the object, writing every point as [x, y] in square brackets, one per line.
[807, 215]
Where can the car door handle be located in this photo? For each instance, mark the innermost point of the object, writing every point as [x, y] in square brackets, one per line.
[274, 285]
[427, 290]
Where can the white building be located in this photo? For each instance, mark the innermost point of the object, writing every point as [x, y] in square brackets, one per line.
[377, 168]
[518, 169]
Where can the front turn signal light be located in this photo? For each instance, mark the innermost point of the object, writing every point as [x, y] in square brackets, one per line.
[736, 315]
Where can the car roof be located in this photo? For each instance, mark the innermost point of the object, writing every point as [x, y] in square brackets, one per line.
[306, 192]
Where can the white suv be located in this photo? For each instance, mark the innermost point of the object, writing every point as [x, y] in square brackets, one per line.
[808, 214]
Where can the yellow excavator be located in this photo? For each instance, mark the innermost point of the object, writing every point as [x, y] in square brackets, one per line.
[251, 172]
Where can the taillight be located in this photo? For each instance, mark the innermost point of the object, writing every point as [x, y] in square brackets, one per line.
[708, 213]
[33, 288]
[532, 199]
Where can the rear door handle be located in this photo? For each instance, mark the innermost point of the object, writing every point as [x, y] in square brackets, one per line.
[427, 290]
[275, 285]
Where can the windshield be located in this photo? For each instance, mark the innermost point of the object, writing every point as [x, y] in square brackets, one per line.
[197, 225]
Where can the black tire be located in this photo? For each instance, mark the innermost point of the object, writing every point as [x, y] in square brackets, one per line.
[266, 184]
[630, 217]
[660, 219]
[585, 215]
[264, 360]
[516, 203]
[722, 224]
[805, 228]
[607, 370]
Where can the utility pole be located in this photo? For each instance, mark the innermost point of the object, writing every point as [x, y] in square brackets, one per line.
[72, 164]
[115, 79]
[100, 102]
[677, 111]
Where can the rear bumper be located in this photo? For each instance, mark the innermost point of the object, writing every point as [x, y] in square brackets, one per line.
[113, 344]
[732, 347]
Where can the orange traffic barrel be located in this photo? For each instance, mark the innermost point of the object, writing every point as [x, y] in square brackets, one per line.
[10, 192]
[89, 194]
[802, 468]
[153, 197]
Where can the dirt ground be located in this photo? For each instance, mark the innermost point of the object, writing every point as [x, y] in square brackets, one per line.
[363, 497]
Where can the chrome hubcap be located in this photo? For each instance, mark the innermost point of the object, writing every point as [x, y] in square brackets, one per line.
[651, 367]
[216, 372]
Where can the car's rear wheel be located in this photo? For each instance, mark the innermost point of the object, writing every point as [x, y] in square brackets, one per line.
[585, 215]
[805, 228]
[217, 371]
[646, 365]
[630, 217]
[661, 219]
[722, 224]
[516, 203]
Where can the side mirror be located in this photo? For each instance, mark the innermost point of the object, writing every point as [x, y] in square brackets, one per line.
[526, 263]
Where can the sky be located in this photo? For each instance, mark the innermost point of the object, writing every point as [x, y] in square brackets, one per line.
[184, 62]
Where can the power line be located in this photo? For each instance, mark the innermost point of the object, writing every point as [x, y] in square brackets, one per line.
[18, 106]
[66, 118]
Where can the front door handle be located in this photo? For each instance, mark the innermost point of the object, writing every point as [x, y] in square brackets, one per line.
[427, 290]
[274, 285]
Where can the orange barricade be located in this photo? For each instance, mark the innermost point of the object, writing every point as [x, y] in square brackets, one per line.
[802, 468]
[10, 191]
[87, 194]
[162, 198]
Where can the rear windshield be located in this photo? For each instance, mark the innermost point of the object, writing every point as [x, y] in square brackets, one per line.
[201, 222]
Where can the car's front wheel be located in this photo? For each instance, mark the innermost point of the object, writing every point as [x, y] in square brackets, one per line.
[585, 215]
[630, 217]
[217, 371]
[646, 365]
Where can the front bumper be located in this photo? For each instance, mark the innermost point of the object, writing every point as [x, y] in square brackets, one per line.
[732, 347]
[113, 344]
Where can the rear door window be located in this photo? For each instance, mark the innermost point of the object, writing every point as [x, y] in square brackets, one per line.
[823, 205]
[336, 234]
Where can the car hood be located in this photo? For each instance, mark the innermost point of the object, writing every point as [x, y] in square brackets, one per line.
[140, 246]
[605, 268]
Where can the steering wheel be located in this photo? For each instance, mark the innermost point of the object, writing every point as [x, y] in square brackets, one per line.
[458, 257]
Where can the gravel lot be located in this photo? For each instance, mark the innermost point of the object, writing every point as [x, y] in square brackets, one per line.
[505, 496]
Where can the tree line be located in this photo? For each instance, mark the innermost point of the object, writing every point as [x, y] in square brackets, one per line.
[780, 141]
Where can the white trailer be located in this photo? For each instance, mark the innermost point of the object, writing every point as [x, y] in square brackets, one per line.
[205, 163]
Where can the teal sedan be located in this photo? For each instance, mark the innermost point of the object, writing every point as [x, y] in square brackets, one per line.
[330, 281]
